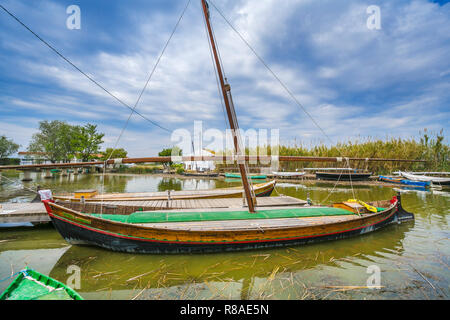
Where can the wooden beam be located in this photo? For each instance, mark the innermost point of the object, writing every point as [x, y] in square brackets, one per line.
[218, 159]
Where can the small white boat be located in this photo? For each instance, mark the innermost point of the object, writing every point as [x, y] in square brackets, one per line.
[288, 174]
[434, 180]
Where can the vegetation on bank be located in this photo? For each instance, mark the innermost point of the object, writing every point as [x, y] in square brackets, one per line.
[60, 141]
[429, 147]
[7, 147]
[111, 153]
[141, 169]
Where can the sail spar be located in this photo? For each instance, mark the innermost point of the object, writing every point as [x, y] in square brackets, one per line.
[231, 114]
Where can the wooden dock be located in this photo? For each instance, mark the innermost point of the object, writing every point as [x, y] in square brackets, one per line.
[23, 212]
[35, 212]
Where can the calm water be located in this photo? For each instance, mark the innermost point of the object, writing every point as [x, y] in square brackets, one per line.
[413, 257]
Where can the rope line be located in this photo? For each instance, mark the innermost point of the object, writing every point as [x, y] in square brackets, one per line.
[81, 71]
[139, 99]
[275, 76]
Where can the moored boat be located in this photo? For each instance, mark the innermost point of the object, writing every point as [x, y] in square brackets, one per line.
[434, 180]
[421, 184]
[187, 231]
[288, 174]
[32, 285]
[238, 176]
[261, 190]
[343, 176]
[201, 174]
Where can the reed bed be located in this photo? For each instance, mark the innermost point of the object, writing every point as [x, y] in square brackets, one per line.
[430, 146]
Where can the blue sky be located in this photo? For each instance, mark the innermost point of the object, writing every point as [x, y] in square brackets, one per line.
[354, 81]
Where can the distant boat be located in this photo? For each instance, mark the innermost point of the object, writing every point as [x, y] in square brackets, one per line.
[261, 190]
[343, 176]
[434, 180]
[201, 174]
[289, 174]
[32, 285]
[423, 184]
[238, 176]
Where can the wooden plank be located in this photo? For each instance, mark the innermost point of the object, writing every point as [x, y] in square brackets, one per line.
[244, 224]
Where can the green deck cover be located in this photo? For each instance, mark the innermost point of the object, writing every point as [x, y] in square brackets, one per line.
[161, 216]
[24, 289]
[29, 290]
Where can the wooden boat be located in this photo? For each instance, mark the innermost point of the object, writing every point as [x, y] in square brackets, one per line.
[238, 176]
[183, 231]
[32, 285]
[434, 180]
[288, 174]
[261, 190]
[201, 174]
[421, 184]
[213, 230]
[343, 176]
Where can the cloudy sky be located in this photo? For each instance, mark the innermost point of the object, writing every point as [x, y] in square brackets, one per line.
[353, 80]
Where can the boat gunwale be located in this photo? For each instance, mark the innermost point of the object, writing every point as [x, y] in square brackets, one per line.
[38, 277]
[212, 232]
[261, 189]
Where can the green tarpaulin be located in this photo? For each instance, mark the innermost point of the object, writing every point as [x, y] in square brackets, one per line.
[161, 216]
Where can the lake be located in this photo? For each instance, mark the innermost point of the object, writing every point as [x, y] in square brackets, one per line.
[412, 259]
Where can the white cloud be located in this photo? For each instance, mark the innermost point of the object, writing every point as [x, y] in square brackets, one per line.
[322, 51]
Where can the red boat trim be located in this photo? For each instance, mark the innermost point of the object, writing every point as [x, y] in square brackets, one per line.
[225, 242]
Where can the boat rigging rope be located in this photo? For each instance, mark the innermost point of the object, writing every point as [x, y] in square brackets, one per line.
[139, 99]
[12, 275]
[271, 71]
[275, 76]
[81, 71]
[23, 187]
[215, 73]
[240, 150]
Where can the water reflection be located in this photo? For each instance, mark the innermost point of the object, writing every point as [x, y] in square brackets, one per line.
[221, 272]
[407, 254]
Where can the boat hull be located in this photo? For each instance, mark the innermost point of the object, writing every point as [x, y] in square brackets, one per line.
[238, 176]
[77, 228]
[261, 190]
[345, 176]
[24, 288]
[434, 180]
[419, 184]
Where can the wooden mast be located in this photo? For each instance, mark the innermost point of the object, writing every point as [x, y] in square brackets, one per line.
[226, 91]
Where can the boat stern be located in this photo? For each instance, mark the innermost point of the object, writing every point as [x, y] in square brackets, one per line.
[402, 214]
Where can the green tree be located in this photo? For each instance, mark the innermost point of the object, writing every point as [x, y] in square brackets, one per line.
[55, 139]
[7, 147]
[116, 154]
[87, 141]
[175, 151]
